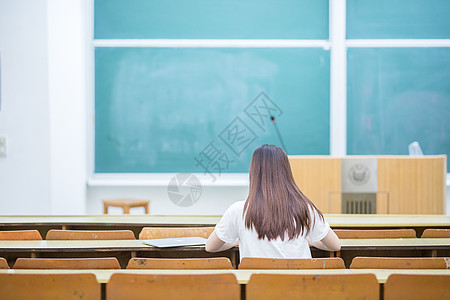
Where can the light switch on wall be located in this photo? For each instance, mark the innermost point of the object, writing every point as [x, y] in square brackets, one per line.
[2, 146]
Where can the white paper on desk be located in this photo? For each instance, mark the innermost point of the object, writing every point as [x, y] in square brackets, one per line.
[176, 242]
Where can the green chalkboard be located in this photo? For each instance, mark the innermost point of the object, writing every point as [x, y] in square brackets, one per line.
[211, 19]
[166, 109]
[398, 19]
[397, 96]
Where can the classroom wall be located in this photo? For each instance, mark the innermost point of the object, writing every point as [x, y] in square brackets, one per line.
[43, 107]
[67, 52]
[213, 200]
[24, 114]
[43, 114]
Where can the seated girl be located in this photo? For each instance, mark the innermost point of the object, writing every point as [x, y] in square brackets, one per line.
[277, 220]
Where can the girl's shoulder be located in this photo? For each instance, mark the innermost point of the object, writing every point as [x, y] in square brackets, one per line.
[235, 209]
[237, 206]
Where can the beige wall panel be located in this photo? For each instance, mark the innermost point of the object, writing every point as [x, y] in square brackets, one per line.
[319, 178]
[335, 203]
[382, 203]
[415, 185]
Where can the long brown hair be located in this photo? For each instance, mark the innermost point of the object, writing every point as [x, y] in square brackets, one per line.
[275, 205]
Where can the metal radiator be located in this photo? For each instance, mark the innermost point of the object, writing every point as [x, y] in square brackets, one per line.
[359, 203]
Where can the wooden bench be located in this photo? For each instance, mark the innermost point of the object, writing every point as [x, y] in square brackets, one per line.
[13, 235]
[172, 287]
[283, 286]
[436, 233]
[67, 263]
[56, 234]
[3, 263]
[375, 233]
[49, 286]
[125, 204]
[286, 263]
[399, 263]
[186, 263]
[174, 232]
[415, 287]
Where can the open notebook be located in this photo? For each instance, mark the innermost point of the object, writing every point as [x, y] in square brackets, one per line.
[176, 242]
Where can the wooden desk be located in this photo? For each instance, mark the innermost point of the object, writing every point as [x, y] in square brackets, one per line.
[138, 245]
[137, 222]
[104, 222]
[393, 244]
[125, 249]
[346, 221]
[393, 248]
[242, 276]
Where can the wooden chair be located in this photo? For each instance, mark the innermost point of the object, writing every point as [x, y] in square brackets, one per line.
[399, 263]
[375, 234]
[3, 263]
[67, 263]
[174, 232]
[16, 235]
[125, 204]
[436, 233]
[186, 287]
[412, 287]
[55, 234]
[49, 286]
[185, 263]
[286, 263]
[298, 286]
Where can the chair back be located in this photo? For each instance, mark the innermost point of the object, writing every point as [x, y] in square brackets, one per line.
[375, 234]
[436, 233]
[301, 286]
[412, 287]
[174, 232]
[55, 234]
[3, 263]
[16, 235]
[183, 263]
[399, 263]
[49, 286]
[67, 263]
[288, 263]
[171, 287]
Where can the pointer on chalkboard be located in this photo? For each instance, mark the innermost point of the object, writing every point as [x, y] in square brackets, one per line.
[274, 122]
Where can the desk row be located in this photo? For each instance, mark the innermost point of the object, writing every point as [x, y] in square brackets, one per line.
[124, 250]
[204, 232]
[223, 263]
[213, 284]
[136, 223]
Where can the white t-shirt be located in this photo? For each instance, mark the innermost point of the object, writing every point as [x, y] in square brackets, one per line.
[232, 226]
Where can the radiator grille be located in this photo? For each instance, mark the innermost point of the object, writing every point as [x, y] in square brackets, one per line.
[358, 203]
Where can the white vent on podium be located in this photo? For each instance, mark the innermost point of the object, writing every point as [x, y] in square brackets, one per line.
[367, 204]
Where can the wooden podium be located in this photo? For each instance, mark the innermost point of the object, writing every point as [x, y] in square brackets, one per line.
[406, 184]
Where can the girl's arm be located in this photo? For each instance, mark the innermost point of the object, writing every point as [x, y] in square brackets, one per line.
[214, 244]
[329, 243]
